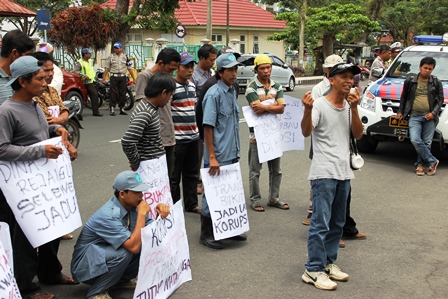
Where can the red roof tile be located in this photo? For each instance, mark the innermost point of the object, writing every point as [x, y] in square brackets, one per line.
[243, 13]
[9, 8]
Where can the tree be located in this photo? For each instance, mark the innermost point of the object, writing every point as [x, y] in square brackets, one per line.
[84, 27]
[29, 25]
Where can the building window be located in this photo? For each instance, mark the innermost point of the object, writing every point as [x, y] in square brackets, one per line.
[134, 37]
[256, 48]
[243, 44]
[216, 37]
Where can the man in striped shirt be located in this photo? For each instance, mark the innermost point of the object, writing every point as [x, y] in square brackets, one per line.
[142, 140]
[186, 155]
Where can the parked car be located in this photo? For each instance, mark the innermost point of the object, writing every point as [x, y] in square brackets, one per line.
[73, 89]
[281, 72]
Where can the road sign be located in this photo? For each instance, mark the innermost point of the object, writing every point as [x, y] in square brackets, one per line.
[43, 19]
[181, 31]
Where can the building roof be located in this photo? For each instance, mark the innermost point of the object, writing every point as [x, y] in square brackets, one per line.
[242, 13]
[9, 8]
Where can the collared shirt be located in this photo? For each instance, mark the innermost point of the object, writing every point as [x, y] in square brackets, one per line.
[221, 111]
[108, 227]
[50, 97]
[182, 109]
[199, 78]
[142, 140]
[117, 64]
[86, 68]
[378, 63]
[5, 91]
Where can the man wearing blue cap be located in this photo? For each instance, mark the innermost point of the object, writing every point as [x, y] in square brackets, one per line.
[117, 64]
[221, 135]
[186, 153]
[84, 66]
[107, 253]
[22, 124]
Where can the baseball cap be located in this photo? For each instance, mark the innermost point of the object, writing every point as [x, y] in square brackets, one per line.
[226, 61]
[331, 60]
[45, 47]
[262, 59]
[86, 51]
[342, 67]
[22, 66]
[118, 45]
[186, 58]
[129, 180]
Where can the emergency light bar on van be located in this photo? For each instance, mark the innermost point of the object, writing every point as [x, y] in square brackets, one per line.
[431, 39]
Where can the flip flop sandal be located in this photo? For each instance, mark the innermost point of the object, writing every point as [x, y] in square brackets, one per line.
[279, 205]
[257, 207]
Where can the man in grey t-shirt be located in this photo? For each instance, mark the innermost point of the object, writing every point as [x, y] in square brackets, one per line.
[329, 120]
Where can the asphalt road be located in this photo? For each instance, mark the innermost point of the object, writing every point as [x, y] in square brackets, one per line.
[404, 256]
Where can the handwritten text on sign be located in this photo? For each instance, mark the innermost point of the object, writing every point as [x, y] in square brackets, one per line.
[155, 174]
[165, 256]
[5, 239]
[290, 125]
[42, 195]
[225, 198]
[8, 285]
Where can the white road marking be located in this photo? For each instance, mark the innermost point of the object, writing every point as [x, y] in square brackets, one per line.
[115, 141]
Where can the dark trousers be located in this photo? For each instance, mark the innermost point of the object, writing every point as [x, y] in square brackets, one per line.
[169, 152]
[186, 168]
[118, 91]
[27, 261]
[93, 94]
[349, 229]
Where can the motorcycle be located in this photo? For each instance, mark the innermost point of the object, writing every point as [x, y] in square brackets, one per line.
[73, 125]
[104, 91]
[365, 72]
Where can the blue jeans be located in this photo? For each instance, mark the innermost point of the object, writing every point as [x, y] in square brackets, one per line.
[204, 207]
[329, 207]
[421, 132]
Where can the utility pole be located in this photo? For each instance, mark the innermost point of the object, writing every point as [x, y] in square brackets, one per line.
[208, 31]
[228, 23]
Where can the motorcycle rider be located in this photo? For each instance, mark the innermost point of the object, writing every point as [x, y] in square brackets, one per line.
[85, 66]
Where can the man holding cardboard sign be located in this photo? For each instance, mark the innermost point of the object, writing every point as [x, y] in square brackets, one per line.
[107, 253]
[22, 124]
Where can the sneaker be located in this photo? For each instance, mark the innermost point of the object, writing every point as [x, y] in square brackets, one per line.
[432, 169]
[307, 220]
[104, 295]
[335, 273]
[419, 170]
[111, 111]
[320, 280]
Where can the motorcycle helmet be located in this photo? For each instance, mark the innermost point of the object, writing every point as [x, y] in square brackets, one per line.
[332, 60]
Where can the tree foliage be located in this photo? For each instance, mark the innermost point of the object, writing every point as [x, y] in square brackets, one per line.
[84, 27]
[29, 25]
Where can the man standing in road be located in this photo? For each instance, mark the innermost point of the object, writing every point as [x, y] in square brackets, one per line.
[262, 89]
[22, 124]
[84, 66]
[186, 161]
[330, 119]
[117, 64]
[202, 72]
[421, 100]
[221, 135]
[382, 61]
[107, 253]
[167, 61]
[142, 140]
[15, 43]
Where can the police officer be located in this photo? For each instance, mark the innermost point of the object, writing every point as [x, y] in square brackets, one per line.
[117, 63]
[85, 66]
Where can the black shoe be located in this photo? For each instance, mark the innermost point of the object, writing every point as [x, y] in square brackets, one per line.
[211, 243]
[122, 112]
[242, 237]
[112, 113]
[98, 114]
[207, 234]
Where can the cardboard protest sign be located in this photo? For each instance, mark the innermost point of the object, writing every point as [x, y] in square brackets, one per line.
[5, 239]
[41, 195]
[269, 138]
[290, 125]
[155, 174]
[225, 198]
[250, 116]
[8, 285]
[165, 256]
